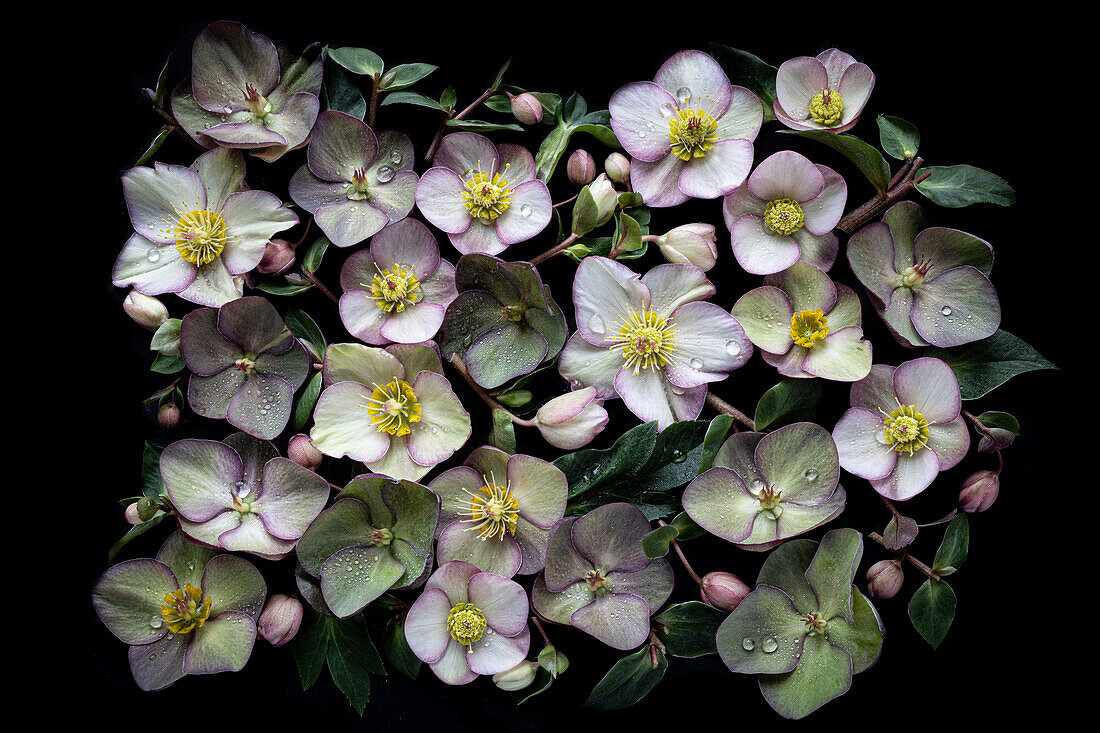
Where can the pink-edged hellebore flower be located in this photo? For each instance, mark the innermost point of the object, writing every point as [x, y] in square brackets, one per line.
[823, 93]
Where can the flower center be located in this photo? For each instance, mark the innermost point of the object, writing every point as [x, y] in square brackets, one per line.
[257, 103]
[769, 498]
[809, 327]
[827, 107]
[466, 623]
[185, 609]
[783, 216]
[357, 189]
[596, 581]
[487, 194]
[244, 364]
[815, 623]
[645, 340]
[692, 133]
[913, 277]
[392, 407]
[200, 236]
[395, 289]
[494, 511]
[379, 537]
[905, 429]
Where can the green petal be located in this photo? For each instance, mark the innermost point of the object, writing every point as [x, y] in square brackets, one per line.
[363, 364]
[503, 353]
[186, 559]
[416, 358]
[223, 644]
[801, 461]
[719, 502]
[832, 571]
[808, 287]
[417, 512]
[905, 220]
[823, 673]
[128, 596]
[862, 639]
[234, 584]
[765, 620]
[344, 524]
[765, 315]
[559, 607]
[785, 569]
[355, 576]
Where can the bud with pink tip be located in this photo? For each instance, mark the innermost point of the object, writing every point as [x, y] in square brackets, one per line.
[581, 168]
[724, 590]
[572, 420]
[527, 108]
[302, 451]
[278, 258]
[885, 578]
[132, 515]
[281, 617]
[516, 678]
[146, 311]
[690, 244]
[979, 491]
[617, 167]
[168, 415]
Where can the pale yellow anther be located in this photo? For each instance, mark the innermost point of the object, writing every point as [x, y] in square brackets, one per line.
[905, 429]
[466, 622]
[487, 194]
[692, 132]
[393, 407]
[200, 235]
[645, 340]
[827, 108]
[395, 289]
[783, 216]
[493, 512]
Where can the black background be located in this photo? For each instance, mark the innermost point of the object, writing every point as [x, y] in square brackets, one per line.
[978, 94]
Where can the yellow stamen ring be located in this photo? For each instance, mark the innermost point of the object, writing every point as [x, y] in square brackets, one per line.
[395, 289]
[494, 512]
[487, 194]
[809, 327]
[466, 622]
[692, 132]
[906, 430]
[185, 609]
[645, 340]
[393, 407]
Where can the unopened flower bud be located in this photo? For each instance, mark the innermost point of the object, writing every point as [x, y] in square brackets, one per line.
[168, 415]
[302, 451]
[690, 244]
[146, 311]
[516, 678]
[572, 420]
[527, 108]
[979, 491]
[581, 168]
[278, 257]
[617, 167]
[132, 514]
[280, 619]
[144, 509]
[606, 198]
[724, 590]
[885, 578]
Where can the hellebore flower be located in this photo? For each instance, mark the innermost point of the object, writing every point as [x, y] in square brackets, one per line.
[930, 285]
[240, 495]
[689, 131]
[806, 629]
[690, 244]
[353, 182]
[767, 487]
[376, 536]
[806, 326]
[197, 231]
[504, 322]
[485, 197]
[650, 340]
[785, 212]
[570, 421]
[390, 408]
[399, 289]
[245, 365]
[237, 96]
[189, 611]
[823, 93]
[468, 623]
[904, 427]
[599, 579]
[497, 511]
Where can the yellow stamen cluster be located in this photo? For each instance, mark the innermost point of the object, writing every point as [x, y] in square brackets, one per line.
[395, 289]
[466, 622]
[493, 512]
[783, 216]
[393, 407]
[487, 194]
[200, 235]
[815, 623]
[809, 327]
[645, 340]
[692, 133]
[905, 429]
[185, 609]
[827, 107]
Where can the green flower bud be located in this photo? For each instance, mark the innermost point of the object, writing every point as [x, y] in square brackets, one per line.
[516, 678]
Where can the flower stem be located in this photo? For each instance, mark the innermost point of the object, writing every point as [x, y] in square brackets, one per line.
[727, 409]
[542, 631]
[683, 558]
[556, 249]
[900, 186]
[656, 648]
[428, 156]
[986, 432]
[460, 367]
[563, 203]
[312, 277]
[374, 83]
[929, 572]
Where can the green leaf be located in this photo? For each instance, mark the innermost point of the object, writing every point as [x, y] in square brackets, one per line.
[628, 234]
[686, 527]
[717, 432]
[898, 138]
[160, 93]
[792, 400]
[503, 435]
[151, 483]
[357, 60]
[311, 260]
[956, 542]
[351, 655]
[306, 329]
[303, 405]
[448, 98]
[396, 649]
[281, 287]
[746, 70]
[482, 125]
[585, 213]
[515, 398]
[408, 97]
[167, 364]
[628, 681]
[541, 684]
[932, 609]
[154, 146]
[984, 365]
[339, 93]
[553, 661]
[867, 159]
[656, 543]
[405, 75]
[310, 648]
[572, 117]
[166, 339]
[1002, 420]
[900, 532]
[689, 629]
[134, 532]
[956, 186]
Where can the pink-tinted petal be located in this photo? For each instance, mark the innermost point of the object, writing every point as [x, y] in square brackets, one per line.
[858, 447]
[197, 475]
[155, 198]
[709, 344]
[758, 250]
[958, 307]
[152, 268]
[912, 475]
[253, 218]
[408, 243]
[225, 60]
[620, 620]
[823, 212]
[453, 668]
[786, 174]
[930, 385]
[606, 291]
[610, 537]
[494, 653]
[504, 602]
[157, 665]
[765, 316]
[843, 356]
[463, 152]
[311, 193]
[659, 181]
[222, 644]
[341, 426]
[341, 144]
[396, 197]
[855, 89]
[426, 625]
[875, 392]
[517, 163]
[797, 81]
[349, 222]
[722, 169]
[650, 396]
[528, 214]
[671, 286]
[817, 250]
[460, 541]
[453, 578]
[128, 596]
[639, 117]
[696, 81]
[744, 117]
[245, 135]
[480, 238]
[583, 364]
[950, 440]
[439, 198]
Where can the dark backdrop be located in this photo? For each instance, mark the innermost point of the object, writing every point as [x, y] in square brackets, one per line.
[976, 98]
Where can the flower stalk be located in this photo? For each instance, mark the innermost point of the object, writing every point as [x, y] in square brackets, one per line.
[900, 186]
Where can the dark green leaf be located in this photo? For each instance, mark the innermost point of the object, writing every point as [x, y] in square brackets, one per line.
[351, 656]
[310, 648]
[281, 287]
[357, 60]
[585, 212]
[303, 405]
[151, 483]
[160, 93]
[311, 260]
[932, 609]
[396, 649]
[134, 532]
[448, 98]
[791, 400]
[405, 75]
[956, 542]
[687, 528]
[167, 364]
[956, 186]
[154, 146]
[541, 683]
[717, 432]
[656, 543]
[867, 159]
[340, 93]
[985, 365]
[689, 629]
[746, 70]
[628, 681]
[409, 97]
[898, 138]
[306, 329]
[1003, 420]
[482, 125]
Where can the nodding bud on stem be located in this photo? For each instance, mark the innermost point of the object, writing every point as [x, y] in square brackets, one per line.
[724, 590]
[516, 678]
[280, 619]
[572, 420]
[302, 451]
[690, 244]
[581, 168]
[617, 167]
[979, 491]
[144, 310]
[142, 510]
[132, 514]
[278, 258]
[884, 578]
[168, 415]
[527, 108]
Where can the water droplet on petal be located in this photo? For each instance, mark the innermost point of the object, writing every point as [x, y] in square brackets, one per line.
[525, 211]
[747, 644]
[769, 645]
[596, 324]
[152, 255]
[395, 158]
[696, 363]
[683, 95]
[385, 174]
[668, 109]
[946, 310]
[811, 474]
[733, 348]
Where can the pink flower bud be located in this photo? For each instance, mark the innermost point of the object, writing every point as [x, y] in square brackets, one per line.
[302, 451]
[572, 420]
[581, 168]
[885, 578]
[168, 415]
[979, 491]
[132, 514]
[281, 617]
[617, 167]
[527, 108]
[690, 244]
[278, 258]
[144, 310]
[516, 678]
[724, 590]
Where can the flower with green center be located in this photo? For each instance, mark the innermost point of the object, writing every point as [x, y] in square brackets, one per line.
[497, 511]
[390, 408]
[487, 193]
[824, 93]
[395, 289]
[468, 623]
[805, 630]
[784, 213]
[929, 284]
[904, 427]
[644, 340]
[689, 131]
[189, 611]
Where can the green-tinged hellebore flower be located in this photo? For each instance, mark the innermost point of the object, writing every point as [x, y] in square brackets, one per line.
[805, 630]
[189, 611]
